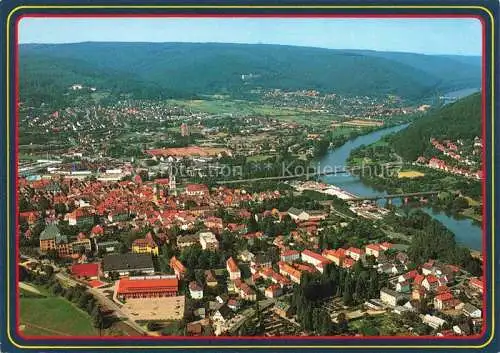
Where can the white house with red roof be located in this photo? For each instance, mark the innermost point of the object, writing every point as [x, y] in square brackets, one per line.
[197, 190]
[289, 255]
[355, 253]
[408, 276]
[233, 269]
[373, 250]
[313, 258]
[273, 291]
[430, 282]
[444, 301]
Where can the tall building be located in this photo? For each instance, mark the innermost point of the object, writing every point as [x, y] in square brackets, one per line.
[184, 129]
[172, 186]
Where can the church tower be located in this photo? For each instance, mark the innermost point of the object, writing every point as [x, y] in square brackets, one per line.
[172, 187]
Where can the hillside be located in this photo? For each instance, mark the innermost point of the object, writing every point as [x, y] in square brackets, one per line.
[170, 69]
[460, 120]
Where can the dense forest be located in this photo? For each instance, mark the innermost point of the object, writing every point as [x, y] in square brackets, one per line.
[354, 287]
[38, 84]
[173, 69]
[432, 240]
[460, 120]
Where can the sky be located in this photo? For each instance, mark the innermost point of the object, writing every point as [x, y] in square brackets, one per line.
[425, 36]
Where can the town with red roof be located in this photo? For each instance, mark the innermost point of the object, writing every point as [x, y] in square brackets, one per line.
[149, 205]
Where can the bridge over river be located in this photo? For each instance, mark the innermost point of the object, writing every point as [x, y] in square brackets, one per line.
[308, 174]
[393, 196]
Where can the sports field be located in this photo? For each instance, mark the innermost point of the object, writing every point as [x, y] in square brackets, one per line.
[410, 174]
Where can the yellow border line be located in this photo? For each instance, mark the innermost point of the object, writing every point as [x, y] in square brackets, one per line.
[492, 259]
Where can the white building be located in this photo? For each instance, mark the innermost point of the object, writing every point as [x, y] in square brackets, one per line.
[433, 321]
[298, 214]
[313, 258]
[208, 241]
[195, 290]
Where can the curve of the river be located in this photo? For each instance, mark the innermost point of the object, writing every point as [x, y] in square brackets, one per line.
[466, 232]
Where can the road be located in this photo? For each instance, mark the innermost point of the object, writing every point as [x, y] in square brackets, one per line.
[111, 305]
[105, 302]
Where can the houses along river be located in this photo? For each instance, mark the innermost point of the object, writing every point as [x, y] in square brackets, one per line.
[466, 232]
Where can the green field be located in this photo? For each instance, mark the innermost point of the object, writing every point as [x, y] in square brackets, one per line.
[53, 316]
[384, 325]
[223, 106]
[245, 108]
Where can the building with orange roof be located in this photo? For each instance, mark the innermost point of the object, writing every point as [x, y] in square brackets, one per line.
[305, 267]
[477, 284]
[96, 231]
[213, 223]
[442, 289]
[408, 276]
[373, 250]
[348, 262]
[273, 291]
[287, 270]
[178, 267]
[336, 256]
[289, 255]
[80, 216]
[354, 253]
[430, 282]
[386, 245]
[418, 279]
[210, 278]
[233, 269]
[146, 287]
[444, 301]
[197, 190]
[244, 290]
[30, 216]
[313, 258]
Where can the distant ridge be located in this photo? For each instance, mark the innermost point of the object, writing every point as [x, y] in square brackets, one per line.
[179, 69]
[459, 120]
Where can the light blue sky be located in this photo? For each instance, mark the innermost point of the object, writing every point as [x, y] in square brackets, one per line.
[427, 36]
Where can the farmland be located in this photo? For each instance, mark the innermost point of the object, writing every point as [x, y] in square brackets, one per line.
[65, 318]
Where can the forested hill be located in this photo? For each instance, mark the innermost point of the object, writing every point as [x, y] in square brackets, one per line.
[205, 68]
[460, 120]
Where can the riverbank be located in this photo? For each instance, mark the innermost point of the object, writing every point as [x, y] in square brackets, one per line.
[459, 196]
[451, 202]
[466, 232]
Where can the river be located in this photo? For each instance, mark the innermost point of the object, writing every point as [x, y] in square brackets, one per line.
[466, 232]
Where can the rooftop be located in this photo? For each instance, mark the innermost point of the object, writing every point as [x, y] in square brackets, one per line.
[138, 285]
